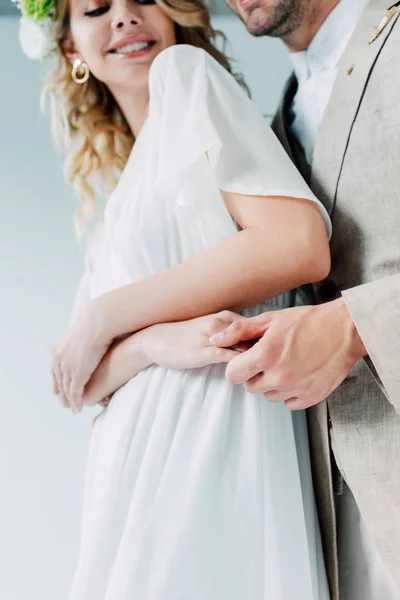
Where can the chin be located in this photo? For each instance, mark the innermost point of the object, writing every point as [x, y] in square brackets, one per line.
[256, 22]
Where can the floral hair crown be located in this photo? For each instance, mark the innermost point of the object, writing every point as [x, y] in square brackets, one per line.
[35, 31]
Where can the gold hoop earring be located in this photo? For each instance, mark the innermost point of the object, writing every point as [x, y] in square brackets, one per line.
[80, 71]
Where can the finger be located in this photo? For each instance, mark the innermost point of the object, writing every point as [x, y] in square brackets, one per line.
[228, 316]
[301, 403]
[58, 377]
[262, 384]
[75, 394]
[257, 384]
[225, 355]
[212, 355]
[241, 330]
[244, 346]
[56, 391]
[54, 383]
[77, 389]
[245, 366]
[63, 401]
[65, 385]
[279, 396]
[214, 324]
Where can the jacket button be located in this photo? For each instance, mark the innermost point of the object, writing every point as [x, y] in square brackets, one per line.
[327, 290]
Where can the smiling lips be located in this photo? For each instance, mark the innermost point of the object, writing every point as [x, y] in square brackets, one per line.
[133, 46]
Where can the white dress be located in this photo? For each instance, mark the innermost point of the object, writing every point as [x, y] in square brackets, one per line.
[194, 487]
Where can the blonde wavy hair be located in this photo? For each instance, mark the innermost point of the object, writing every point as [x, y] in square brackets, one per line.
[87, 120]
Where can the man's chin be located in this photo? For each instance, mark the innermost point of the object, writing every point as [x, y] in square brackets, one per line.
[255, 22]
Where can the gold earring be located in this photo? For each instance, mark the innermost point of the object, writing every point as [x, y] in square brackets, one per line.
[80, 71]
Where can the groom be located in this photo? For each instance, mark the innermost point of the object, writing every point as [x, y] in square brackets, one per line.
[339, 121]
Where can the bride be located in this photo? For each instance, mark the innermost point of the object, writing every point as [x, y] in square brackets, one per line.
[195, 489]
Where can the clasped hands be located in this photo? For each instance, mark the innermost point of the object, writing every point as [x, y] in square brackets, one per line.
[297, 356]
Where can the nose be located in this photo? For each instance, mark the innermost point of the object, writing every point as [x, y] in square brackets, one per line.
[126, 13]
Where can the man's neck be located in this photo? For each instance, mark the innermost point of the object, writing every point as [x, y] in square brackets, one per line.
[302, 37]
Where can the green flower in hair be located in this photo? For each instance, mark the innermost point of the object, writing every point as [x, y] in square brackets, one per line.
[36, 10]
[36, 28]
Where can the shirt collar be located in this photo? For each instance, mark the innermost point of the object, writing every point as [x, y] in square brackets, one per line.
[330, 41]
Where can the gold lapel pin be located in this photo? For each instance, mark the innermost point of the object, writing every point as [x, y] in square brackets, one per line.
[385, 21]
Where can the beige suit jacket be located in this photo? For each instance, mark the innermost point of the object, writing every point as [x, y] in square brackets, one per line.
[356, 174]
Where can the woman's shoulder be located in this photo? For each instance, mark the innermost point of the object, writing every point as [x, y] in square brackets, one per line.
[178, 54]
[191, 74]
[185, 60]
[178, 86]
[177, 74]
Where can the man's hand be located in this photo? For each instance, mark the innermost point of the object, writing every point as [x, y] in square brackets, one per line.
[303, 353]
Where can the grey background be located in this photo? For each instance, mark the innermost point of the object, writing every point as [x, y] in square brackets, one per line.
[42, 446]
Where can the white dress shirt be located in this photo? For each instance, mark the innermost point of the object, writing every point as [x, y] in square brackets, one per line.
[316, 69]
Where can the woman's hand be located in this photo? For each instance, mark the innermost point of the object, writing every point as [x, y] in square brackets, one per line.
[77, 354]
[183, 345]
[186, 345]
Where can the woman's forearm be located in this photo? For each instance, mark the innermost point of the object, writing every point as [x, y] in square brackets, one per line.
[124, 360]
[237, 273]
[177, 346]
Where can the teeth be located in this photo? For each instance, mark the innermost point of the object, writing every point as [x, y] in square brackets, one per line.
[133, 47]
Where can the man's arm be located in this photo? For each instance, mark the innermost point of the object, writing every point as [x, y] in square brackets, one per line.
[375, 310]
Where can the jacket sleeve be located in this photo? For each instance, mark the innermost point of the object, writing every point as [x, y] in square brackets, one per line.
[375, 309]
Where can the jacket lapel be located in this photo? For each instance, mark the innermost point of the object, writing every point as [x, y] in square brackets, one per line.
[354, 70]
